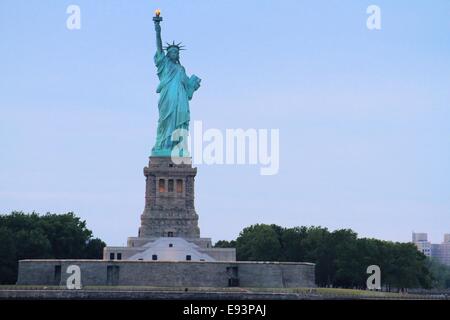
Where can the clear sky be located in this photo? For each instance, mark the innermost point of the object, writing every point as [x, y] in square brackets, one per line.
[363, 115]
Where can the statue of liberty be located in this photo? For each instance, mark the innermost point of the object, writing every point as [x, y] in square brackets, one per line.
[176, 90]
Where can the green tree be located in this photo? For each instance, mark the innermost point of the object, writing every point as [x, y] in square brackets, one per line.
[440, 274]
[32, 244]
[67, 234]
[8, 254]
[50, 236]
[225, 244]
[94, 249]
[318, 250]
[341, 257]
[346, 258]
[293, 245]
[258, 243]
[408, 267]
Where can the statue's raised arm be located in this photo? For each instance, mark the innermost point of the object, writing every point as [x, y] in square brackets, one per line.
[157, 19]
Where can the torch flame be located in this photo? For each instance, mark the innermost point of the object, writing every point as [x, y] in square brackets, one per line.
[157, 12]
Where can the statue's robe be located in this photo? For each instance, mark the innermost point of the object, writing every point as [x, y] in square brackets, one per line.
[176, 90]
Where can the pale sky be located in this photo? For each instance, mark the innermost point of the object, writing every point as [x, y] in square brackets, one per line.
[363, 115]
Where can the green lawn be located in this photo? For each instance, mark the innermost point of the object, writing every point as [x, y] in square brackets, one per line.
[331, 293]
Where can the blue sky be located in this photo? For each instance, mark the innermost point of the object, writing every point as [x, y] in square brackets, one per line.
[363, 115]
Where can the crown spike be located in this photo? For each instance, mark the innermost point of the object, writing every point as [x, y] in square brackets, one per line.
[178, 46]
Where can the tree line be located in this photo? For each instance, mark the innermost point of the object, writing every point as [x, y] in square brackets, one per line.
[341, 257]
[49, 236]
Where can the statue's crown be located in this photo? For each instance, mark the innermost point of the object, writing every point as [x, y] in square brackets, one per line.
[177, 46]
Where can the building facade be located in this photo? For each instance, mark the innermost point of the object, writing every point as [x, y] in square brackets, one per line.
[440, 252]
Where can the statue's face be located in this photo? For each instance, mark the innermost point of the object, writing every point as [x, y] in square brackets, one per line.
[173, 54]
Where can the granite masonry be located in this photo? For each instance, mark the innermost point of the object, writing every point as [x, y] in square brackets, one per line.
[169, 224]
[169, 274]
[168, 251]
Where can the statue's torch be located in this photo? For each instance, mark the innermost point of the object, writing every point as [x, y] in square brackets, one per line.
[157, 18]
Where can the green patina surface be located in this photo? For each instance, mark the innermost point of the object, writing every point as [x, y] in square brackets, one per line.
[176, 89]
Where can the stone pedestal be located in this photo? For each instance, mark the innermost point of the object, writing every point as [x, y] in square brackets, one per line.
[169, 200]
[169, 224]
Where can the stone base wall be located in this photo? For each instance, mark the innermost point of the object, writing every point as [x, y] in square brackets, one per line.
[169, 274]
[169, 209]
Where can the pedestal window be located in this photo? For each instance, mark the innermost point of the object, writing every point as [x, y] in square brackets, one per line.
[162, 185]
[179, 186]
